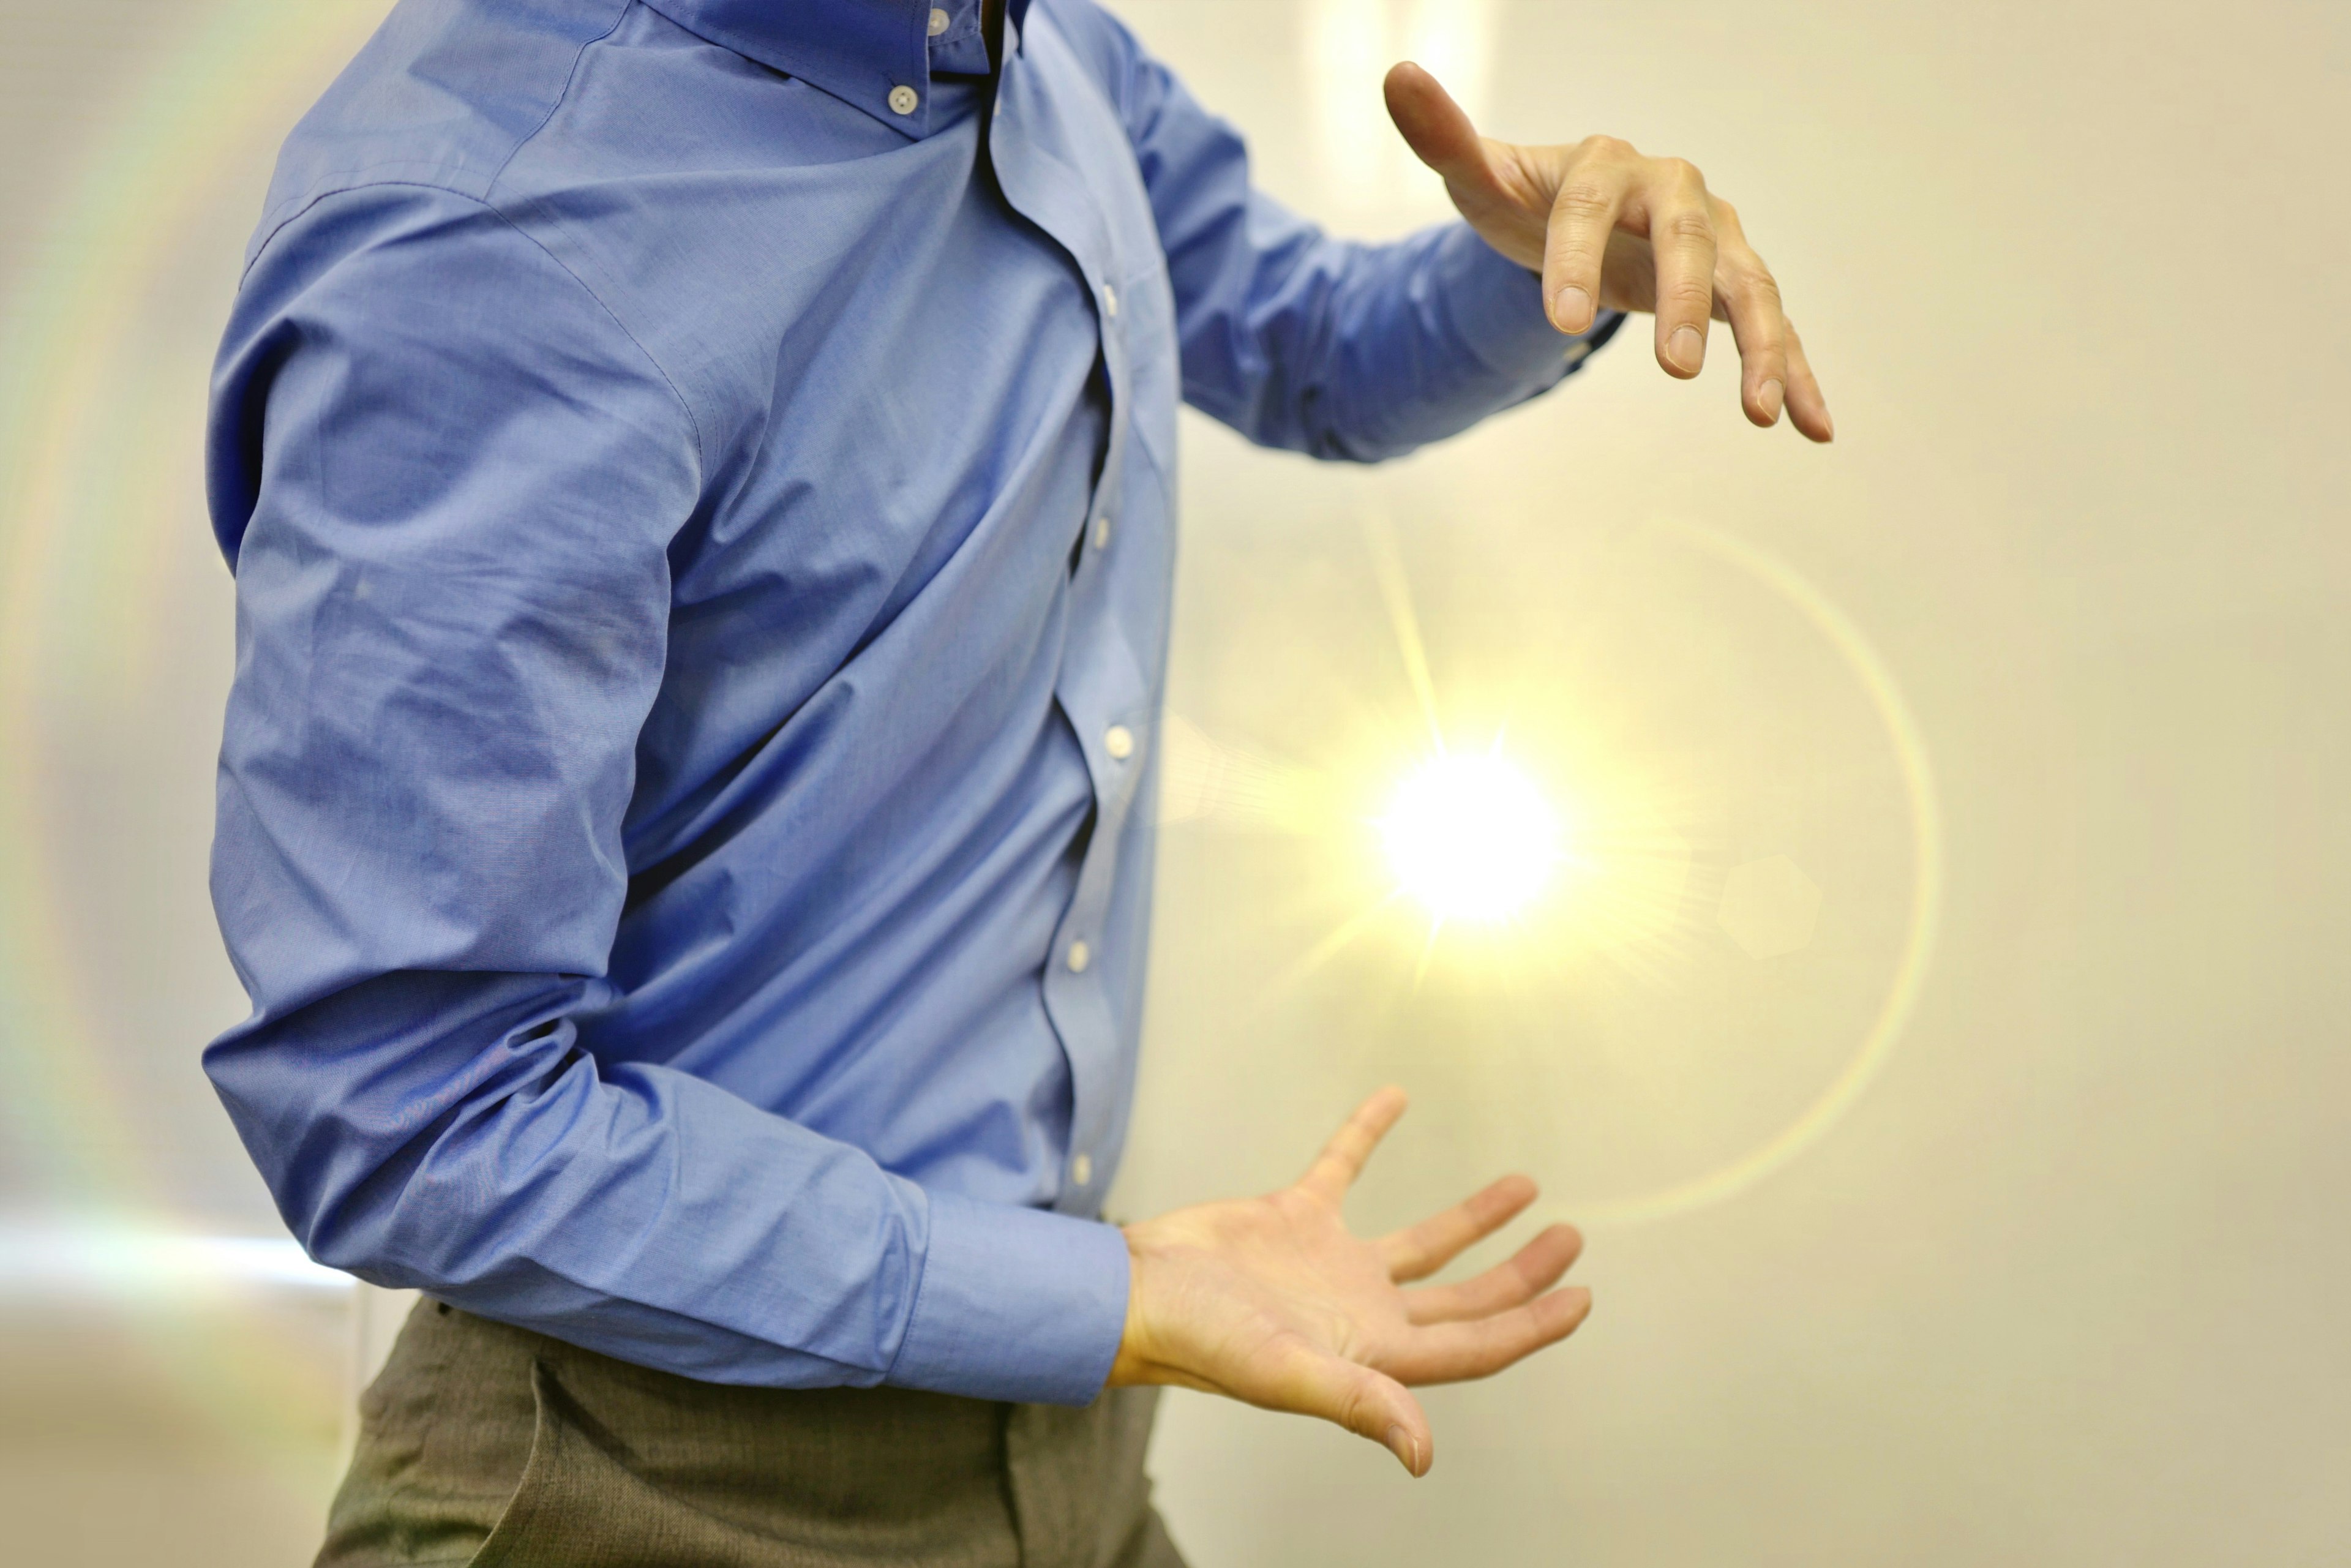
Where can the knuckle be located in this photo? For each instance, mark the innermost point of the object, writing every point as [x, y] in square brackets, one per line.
[1758, 299]
[1584, 199]
[1612, 148]
[1690, 296]
[1690, 226]
[1684, 173]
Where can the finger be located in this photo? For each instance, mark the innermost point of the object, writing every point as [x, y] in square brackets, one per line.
[1422, 1250]
[1671, 201]
[1334, 1170]
[1762, 333]
[1436, 128]
[1583, 214]
[1457, 1351]
[1747, 296]
[1367, 1403]
[1534, 1269]
[1807, 409]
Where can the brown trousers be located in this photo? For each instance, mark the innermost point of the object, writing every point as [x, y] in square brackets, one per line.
[488, 1444]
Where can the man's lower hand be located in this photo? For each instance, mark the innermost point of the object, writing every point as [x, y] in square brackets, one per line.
[1271, 1300]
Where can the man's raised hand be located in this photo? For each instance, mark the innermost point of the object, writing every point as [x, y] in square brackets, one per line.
[1610, 229]
[1271, 1300]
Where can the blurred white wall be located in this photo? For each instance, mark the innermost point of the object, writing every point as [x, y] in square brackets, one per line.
[2051, 1283]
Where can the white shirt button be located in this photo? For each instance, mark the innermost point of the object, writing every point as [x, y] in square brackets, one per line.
[1110, 301]
[902, 100]
[1081, 1169]
[1119, 742]
[939, 21]
[1102, 531]
[1080, 957]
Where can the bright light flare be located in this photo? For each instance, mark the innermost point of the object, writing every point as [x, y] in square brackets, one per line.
[1472, 837]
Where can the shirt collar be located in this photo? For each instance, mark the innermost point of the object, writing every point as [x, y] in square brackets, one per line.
[874, 54]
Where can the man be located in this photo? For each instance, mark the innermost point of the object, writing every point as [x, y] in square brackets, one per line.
[699, 478]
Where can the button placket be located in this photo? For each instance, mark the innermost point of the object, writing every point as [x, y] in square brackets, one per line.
[1101, 681]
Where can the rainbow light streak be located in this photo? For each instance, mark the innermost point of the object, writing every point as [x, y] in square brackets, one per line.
[104, 1259]
[95, 445]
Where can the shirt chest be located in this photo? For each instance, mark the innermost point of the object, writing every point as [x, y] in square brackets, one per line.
[937, 388]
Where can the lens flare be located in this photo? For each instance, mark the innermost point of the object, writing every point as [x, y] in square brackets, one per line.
[1472, 837]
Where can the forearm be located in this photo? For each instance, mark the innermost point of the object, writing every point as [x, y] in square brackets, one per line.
[445, 1133]
[1322, 345]
[1369, 351]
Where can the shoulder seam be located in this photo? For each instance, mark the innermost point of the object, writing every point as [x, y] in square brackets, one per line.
[693, 424]
[343, 180]
[340, 184]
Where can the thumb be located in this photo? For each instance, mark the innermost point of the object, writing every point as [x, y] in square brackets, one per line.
[1367, 1403]
[1436, 128]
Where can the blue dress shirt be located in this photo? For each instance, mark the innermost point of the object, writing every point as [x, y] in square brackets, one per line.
[700, 480]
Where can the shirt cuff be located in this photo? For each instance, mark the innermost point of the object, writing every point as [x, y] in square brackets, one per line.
[1015, 1303]
[1497, 307]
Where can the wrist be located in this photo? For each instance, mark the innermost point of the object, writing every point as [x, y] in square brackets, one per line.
[1132, 1364]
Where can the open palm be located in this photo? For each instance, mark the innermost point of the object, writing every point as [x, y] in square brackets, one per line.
[1273, 1300]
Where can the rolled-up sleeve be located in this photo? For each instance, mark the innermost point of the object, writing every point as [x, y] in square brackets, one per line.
[448, 479]
[1326, 346]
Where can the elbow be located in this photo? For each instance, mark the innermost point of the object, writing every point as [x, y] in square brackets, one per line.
[348, 1105]
[1336, 432]
[1336, 447]
[335, 1180]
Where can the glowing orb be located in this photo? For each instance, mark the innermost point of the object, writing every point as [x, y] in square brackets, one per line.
[1472, 837]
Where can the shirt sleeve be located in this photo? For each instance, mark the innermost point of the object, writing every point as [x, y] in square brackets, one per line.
[447, 479]
[1327, 346]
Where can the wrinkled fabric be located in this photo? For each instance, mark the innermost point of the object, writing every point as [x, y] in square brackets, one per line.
[699, 476]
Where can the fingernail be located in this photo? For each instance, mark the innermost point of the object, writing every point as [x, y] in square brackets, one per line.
[1769, 399]
[1686, 349]
[1571, 309]
[1400, 1443]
